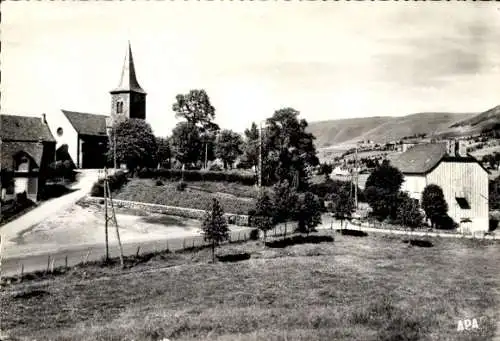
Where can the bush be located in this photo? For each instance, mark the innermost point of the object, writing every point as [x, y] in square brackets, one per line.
[159, 183]
[196, 175]
[181, 186]
[354, 233]
[215, 168]
[493, 225]
[234, 257]
[116, 181]
[282, 243]
[254, 234]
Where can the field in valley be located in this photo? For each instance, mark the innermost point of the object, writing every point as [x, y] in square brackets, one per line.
[371, 288]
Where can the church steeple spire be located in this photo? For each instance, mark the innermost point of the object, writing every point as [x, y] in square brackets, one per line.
[128, 100]
[128, 80]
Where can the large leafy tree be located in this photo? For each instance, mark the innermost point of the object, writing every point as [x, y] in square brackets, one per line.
[214, 228]
[308, 212]
[195, 108]
[135, 144]
[408, 212]
[284, 200]
[164, 153]
[228, 147]
[289, 149]
[264, 217]
[251, 147]
[434, 203]
[186, 143]
[382, 190]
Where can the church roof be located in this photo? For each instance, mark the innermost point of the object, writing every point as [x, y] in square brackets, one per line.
[128, 80]
[87, 124]
[24, 128]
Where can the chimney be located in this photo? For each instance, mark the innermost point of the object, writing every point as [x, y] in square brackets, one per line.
[44, 120]
[462, 149]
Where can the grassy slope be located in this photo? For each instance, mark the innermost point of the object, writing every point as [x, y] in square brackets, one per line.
[374, 288]
[380, 129]
[145, 190]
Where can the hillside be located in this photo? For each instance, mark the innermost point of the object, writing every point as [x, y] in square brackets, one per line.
[485, 120]
[382, 129]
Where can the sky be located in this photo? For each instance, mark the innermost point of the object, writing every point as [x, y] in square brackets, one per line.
[328, 60]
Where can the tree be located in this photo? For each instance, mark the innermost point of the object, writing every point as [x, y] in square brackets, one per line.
[186, 143]
[382, 189]
[164, 153]
[135, 144]
[341, 204]
[308, 212]
[251, 147]
[264, 217]
[288, 149]
[326, 169]
[494, 193]
[228, 147]
[196, 109]
[284, 199]
[434, 203]
[408, 213]
[214, 227]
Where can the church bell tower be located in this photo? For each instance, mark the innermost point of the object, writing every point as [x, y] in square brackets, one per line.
[128, 100]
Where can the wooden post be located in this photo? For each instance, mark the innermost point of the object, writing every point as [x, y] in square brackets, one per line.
[184, 243]
[138, 250]
[22, 272]
[66, 262]
[52, 265]
[48, 263]
[1, 255]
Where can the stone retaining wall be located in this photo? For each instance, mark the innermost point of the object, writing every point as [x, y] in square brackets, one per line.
[233, 219]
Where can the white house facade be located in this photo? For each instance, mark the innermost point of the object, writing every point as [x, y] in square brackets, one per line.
[462, 178]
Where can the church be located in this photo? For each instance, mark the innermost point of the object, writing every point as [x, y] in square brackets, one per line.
[83, 137]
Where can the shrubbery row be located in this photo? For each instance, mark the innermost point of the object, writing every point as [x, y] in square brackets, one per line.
[116, 181]
[196, 175]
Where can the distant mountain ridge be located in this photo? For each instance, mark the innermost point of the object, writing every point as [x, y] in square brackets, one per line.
[382, 129]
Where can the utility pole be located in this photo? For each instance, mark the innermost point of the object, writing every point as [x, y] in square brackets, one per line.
[260, 157]
[1, 179]
[114, 146]
[110, 217]
[356, 178]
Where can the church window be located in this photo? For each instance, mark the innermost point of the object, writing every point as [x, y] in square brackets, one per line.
[119, 107]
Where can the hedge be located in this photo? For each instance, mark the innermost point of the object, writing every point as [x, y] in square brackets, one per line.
[196, 175]
[116, 181]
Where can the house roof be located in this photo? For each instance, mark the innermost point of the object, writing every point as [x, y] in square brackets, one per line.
[87, 124]
[12, 148]
[420, 158]
[423, 158]
[24, 128]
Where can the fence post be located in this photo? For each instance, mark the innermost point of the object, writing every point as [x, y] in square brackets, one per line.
[48, 263]
[184, 243]
[22, 272]
[66, 262]
[138, 250]
[52, 265]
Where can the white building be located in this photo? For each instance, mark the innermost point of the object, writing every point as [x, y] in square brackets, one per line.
[462, 178]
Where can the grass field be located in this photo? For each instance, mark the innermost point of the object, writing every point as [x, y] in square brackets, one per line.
[361, 289]
[234, 198]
